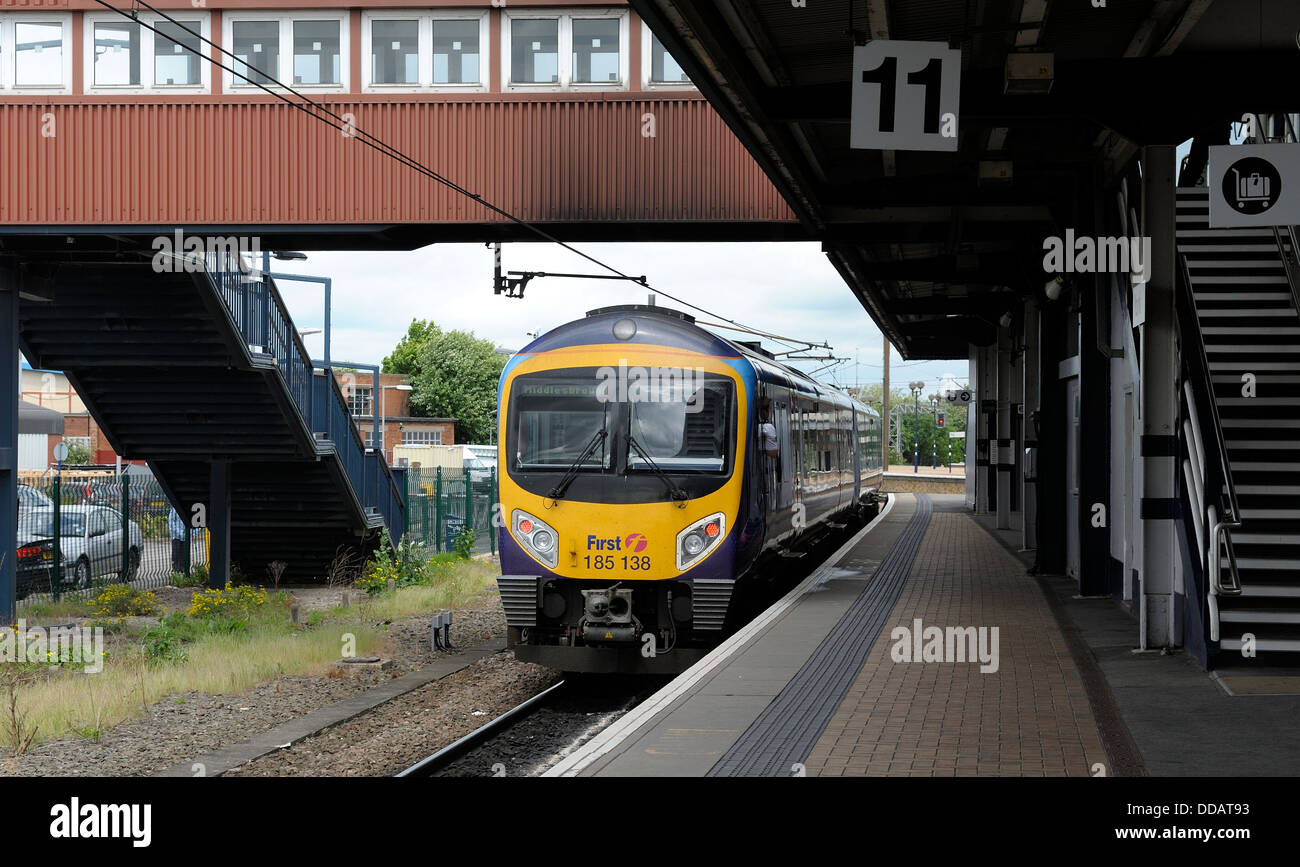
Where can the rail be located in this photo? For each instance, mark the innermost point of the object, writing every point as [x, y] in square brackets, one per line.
[1207, 471]
[1287, 248]
[262, 318]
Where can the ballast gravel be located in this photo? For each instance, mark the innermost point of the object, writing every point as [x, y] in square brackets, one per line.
[181, 727]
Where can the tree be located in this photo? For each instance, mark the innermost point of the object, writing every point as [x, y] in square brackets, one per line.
[406, 355]
[78, 454]
[456, 377]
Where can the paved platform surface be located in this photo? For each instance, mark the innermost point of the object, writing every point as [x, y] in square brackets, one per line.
[816, 690]
[1031, 717]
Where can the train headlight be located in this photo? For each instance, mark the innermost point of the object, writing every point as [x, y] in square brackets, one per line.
[699, 539]
[537, 537]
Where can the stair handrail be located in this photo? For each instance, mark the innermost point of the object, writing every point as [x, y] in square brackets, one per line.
[1208, 428]
[1289, 261]
[231, 278]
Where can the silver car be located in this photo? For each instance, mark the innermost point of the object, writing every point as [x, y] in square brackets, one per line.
[90, 541]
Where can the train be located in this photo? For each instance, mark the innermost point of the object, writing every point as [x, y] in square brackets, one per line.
[650, 473]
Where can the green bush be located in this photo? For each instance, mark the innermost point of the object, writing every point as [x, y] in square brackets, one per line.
[464, 543]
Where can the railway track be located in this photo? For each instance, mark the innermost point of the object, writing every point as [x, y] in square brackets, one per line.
[531, 737]
[536, 734]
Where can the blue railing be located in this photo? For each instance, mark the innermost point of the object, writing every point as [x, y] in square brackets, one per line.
[260, 315]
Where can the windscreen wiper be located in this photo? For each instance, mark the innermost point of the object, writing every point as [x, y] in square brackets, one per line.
[674, 492]
[572, 472]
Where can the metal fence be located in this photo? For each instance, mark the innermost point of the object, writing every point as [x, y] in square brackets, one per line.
[71, 527]
[441, 503]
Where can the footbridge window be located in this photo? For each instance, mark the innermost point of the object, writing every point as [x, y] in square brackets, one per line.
[35, 52]
[440, 51]
[307, 49]
[151, 55]
[660, 71]
[576, 51]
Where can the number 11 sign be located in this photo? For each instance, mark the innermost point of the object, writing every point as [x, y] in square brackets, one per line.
[906, 96]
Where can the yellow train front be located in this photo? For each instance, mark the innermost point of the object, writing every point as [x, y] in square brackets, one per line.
[640, 485]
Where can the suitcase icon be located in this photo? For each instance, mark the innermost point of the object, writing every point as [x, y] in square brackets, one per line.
[1252, 188]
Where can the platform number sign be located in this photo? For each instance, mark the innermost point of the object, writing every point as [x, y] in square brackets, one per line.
[906, 96]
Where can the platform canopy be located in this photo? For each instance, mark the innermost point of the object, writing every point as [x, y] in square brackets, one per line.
[938, 245]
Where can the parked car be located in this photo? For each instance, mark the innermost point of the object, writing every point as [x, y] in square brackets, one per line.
[34, 572]
[146, 499]
[30, 498]
[90, 542]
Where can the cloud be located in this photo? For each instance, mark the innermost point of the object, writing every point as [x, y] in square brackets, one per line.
[787, 289]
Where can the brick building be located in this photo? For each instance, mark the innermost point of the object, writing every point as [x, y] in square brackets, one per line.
[396, 424]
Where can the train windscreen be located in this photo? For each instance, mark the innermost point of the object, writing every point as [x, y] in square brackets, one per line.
[646, 420]
[682, 426]
[559, 420]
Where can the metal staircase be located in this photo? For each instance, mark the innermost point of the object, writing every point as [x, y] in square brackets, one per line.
[1246, 308]
[184, 369]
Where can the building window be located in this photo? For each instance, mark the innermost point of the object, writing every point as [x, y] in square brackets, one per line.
[422, 437]
[456, 52]
[361, 401]
[535, 51]
[117, 53]
[257, 45]
[317, 57]
[560, 52]
[306, 50]
[151, 55]
[395, 51]
[596, 50]
[178, 54]
[440, 51]
[38, 48]
[659, 70]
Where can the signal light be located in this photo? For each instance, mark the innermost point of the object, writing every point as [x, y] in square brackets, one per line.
[711, 530]
[526, 526]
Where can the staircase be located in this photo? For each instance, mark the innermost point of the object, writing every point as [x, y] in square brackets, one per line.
[182, 369]
[1246, 309]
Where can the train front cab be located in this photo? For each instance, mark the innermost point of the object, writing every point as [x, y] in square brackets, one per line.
[620, 505]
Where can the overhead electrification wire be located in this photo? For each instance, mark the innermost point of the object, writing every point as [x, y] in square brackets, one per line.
[350, 129]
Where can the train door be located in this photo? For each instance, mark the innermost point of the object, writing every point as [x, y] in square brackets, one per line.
[784, 471]
[1072, 475]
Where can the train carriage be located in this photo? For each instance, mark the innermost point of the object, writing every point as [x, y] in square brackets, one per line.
[649, 471]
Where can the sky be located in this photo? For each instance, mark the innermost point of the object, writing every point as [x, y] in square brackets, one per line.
[788, 289]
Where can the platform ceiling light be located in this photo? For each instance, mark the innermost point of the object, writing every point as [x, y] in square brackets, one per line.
[1053, 287]
[1005, 321]
[1030, 72]
[625, 329]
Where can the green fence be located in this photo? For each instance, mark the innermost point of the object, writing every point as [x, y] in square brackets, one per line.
[78, 529]
[441, 504]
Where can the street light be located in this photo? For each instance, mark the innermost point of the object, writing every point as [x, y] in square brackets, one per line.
[916, 387]
[934, 431]
[383, 411]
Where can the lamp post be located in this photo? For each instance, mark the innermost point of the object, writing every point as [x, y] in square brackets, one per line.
[934, 431]
[917, 388]
[383, 412]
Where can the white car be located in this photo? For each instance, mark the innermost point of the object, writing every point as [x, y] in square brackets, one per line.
[90, 542]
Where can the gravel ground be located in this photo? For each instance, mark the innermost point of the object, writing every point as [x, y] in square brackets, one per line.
[182, 727]
[398, 734]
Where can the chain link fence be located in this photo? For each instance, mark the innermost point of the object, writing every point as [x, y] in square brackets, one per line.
[81, 529]
[442, 504]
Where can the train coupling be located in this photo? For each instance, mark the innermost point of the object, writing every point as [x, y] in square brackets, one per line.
[607, 616]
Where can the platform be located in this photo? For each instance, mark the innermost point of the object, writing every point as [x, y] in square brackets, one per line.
[812, 686]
